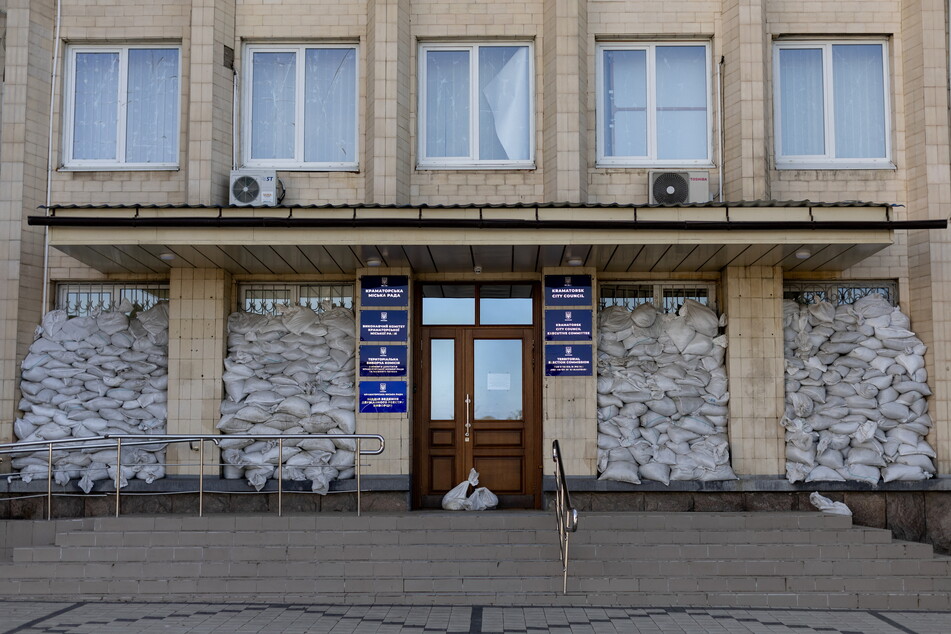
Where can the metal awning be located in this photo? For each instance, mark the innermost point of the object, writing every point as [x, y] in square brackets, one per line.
[510, 238]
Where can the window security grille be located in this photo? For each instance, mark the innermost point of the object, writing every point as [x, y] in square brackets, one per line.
[266, 299]
[839, 292]
[666, 296]
[80, 299]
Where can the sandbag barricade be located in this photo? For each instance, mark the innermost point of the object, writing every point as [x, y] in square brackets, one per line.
[856, 388]
[91, 376]
[662, 395]
[292, 373]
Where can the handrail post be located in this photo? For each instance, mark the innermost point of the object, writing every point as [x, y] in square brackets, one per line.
[566, 516]
[280, 477]
[118, 471]
[49, 483]
[201, 477]
[356, 463]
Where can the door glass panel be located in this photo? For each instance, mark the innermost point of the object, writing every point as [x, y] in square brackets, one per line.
[498, 379]
[442, 379]
[509, 304]
[448, 304]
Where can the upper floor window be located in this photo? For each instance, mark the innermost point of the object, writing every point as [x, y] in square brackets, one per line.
[122, 107]
[475, 106]
[301, 107]
[653, 104]
[831, 105]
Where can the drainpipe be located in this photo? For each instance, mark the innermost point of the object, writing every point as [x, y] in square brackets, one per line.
[720, 126]
[49, 154]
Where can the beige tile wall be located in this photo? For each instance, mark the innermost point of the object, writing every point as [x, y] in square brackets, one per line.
[752, 300]
[564, 34]
[106, 21]
[23, 160]
[200, 302]
[475, 21]
[929, 194]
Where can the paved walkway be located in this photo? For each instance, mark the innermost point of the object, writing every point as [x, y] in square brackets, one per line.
[182, 618]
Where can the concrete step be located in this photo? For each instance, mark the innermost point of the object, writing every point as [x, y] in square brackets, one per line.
[704, 559]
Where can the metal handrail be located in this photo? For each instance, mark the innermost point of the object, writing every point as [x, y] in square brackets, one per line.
[119, 441]
[566, 516]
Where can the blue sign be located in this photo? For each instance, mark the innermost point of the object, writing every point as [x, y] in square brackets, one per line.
[568, 290]
[386, 360]
[384, 290]
[566, 324]
[568, 360]
[383, 325]
[383, 396]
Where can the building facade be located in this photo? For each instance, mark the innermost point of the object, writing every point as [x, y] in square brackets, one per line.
[488, 156]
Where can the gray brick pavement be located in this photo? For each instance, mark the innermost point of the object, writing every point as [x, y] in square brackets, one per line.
[39, 617]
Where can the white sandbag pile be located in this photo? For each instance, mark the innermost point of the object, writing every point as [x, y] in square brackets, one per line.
[292, 373]
[856, 389]
[662, 395]
[91, 376]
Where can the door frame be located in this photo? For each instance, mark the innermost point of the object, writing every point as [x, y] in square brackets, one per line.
[534, 440]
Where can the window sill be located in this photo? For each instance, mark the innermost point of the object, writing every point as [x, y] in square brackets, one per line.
[625, 165]
[118, 167]
[349, 167]
[828, 165]
[514, 165]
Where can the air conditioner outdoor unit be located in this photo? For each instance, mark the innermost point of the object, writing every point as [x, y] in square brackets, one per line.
[255, 188]
[668, 188]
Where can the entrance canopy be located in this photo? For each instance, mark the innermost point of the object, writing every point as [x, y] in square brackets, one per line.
[337, 239]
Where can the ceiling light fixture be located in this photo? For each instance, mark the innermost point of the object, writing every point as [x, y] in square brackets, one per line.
[803, 254]
[374, 262]
[575, 261]
[166, 257]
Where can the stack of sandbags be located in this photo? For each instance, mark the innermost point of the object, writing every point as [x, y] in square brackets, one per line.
[292, 373]
[662, 395]
[91, 376]
[856, 389]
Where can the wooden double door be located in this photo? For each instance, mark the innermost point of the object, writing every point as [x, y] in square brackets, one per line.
[476, 408]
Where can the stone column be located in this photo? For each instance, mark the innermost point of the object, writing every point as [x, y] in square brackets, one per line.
[569, 403]
[388, 162]
[745, 50]
[24, 129]
[200, 302]
[928, 189]
[210, 90]
[395, 428]
[752, 301]
[564, 113]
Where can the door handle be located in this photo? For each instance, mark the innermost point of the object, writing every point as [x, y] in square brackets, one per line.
[468, 424]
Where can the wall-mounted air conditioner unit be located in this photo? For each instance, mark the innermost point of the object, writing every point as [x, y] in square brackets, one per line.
[255, 188]
[669, 188]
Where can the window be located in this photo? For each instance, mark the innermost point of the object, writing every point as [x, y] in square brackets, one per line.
[475, 106]
[122, 107]
[81, 299]
[498, 304]
[839, 293]
[301, 107]
[667, 297]
[830, 103]
[270, 299]
[653, 104]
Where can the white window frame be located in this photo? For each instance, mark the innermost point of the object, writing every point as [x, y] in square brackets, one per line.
[297, 163]
[828, 160]
[651, 159]
[472, 161]
[119, 163]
